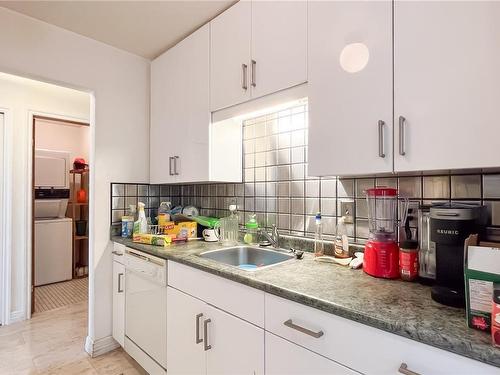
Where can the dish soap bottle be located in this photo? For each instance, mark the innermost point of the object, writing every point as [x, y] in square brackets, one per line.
[319, 247]
[341, 240]
[252, 231]
[141, 225]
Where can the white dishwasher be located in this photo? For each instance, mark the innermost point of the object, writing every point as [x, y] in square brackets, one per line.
[146, 310]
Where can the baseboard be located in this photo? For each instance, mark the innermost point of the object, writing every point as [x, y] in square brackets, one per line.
[16, 316]
[95, 348]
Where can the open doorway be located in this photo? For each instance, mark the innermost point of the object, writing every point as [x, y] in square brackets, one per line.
[60, 245]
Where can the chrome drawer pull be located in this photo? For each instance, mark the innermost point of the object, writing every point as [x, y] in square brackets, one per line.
[244, 84]
[292, 325]
[402, 122]
[120, 289]
[198, 340]
[117, 253]
[403, 369]
[205, 334]
[381, 141]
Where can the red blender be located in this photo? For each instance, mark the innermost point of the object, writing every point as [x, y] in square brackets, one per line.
[381, 257]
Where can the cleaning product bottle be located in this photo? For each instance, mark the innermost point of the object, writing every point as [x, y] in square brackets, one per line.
[141, 225]
[319, 248]
[341, 241]
[252, 231]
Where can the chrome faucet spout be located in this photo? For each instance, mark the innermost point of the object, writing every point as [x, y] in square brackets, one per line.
[273, 237]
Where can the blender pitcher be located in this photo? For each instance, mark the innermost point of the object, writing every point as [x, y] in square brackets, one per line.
[381, 257]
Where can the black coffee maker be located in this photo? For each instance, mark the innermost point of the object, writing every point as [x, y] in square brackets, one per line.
[450, 225]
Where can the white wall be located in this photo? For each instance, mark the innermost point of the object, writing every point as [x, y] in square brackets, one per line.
[22, 96]
[62, 136]
[120, 83]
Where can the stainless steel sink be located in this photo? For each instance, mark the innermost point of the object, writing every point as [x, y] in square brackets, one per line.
[247, 258]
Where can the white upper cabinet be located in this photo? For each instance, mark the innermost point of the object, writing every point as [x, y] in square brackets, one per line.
[181, 144]
[257, 48]
[230, 56]
[350, 87]
[446, 84]
[279, 46]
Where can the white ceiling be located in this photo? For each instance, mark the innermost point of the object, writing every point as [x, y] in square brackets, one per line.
[145, 28]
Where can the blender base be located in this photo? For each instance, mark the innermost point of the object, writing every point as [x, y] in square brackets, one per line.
[381, 259]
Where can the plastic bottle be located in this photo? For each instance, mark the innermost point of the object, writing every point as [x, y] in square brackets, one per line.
[319, 248]
[252, 231]
[141, 225]
[164, 213]
[233, 223]
[341, 241]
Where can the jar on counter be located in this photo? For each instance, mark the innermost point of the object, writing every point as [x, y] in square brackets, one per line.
[408, 260]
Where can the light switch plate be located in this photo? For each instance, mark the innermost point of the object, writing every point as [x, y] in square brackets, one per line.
[347, 210]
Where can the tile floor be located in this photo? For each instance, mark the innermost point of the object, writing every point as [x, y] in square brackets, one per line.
[52, 343]
[52, 296]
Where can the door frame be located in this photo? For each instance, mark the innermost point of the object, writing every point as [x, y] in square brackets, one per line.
[30, 195]
[5, 225]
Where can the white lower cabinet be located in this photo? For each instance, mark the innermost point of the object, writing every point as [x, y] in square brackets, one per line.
[286, 358]
[185, 351]
[119, 302]
[210, 334]
[202, 339]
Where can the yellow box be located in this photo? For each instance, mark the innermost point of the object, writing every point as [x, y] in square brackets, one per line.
[183, 229]
[152, 239]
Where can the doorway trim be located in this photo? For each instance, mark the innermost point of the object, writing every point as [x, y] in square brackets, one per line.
[5, 212]
[29, 248]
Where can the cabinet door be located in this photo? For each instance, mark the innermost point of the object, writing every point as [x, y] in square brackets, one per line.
[237, 347]
[447, 84]
[350, 87]
[279, 46]
[284, 357]
[119, 302]
[165, 117]
[229, 54]
[193, 94]
[185, 354]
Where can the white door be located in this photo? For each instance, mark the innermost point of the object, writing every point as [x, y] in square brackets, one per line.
[164, 119]
[446, 84]
[350, 87]
[235, 346]
[279, 46]
[185, 351]
[286, 358]
[194, 113]
[230, 56]
[119, 302]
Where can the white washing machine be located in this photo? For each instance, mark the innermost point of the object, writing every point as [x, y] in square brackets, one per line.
[53, 255]
[53, 250]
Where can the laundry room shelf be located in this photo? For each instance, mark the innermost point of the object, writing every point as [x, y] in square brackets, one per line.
[79, 212]
[79, 204]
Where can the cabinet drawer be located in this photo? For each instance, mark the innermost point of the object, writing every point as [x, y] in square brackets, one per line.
[360, 347]
[240, 300]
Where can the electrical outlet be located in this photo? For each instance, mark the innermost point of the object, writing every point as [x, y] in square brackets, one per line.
[347, 210]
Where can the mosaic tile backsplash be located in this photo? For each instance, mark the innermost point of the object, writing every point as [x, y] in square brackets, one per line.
[278, 190]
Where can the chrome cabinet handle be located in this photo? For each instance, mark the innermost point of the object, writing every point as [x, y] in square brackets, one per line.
[403, 369]
[205, 334]
[381, 140]
[254, 68]
[291, 324]
[176, 173]
[117, 253]
[402, 122]
[244, 83]
[170, 166]
[198, 340]
[120, 290]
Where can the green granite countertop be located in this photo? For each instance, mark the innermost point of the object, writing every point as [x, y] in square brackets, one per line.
[395, 306]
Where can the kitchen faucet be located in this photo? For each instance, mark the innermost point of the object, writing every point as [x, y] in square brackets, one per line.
[273, 237]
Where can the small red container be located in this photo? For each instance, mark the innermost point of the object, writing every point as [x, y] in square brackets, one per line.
[408, 260]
